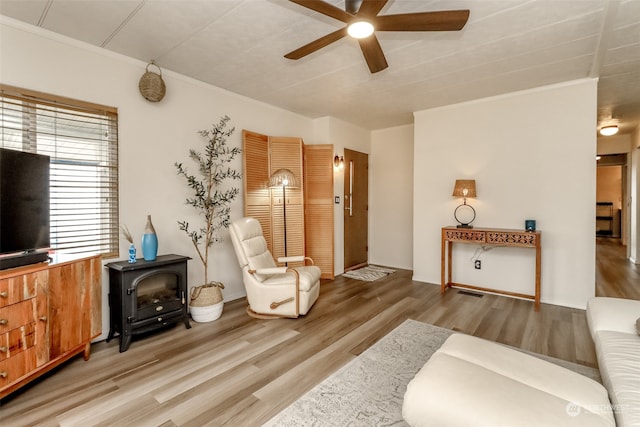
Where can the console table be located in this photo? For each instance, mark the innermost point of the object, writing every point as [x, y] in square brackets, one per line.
[493, 237]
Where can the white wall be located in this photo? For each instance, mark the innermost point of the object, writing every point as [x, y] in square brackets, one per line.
[391, 200]
[152, 136]
[532, 156]
[614, 144]
[329, 130]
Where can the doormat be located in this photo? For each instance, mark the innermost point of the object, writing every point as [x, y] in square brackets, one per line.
[368, 273]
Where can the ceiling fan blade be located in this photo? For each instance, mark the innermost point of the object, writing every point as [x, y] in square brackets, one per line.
[317, 44]
[445, 20]
[325, 9]
[373, 54]
[370, 8]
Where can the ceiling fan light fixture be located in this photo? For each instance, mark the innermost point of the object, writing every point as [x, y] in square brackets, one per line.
[609, 130]
[360, 29]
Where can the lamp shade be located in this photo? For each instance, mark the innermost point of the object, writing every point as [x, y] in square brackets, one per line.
[464, 188]
[283, 178]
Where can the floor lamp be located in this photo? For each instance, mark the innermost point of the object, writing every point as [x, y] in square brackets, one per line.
[283, 178]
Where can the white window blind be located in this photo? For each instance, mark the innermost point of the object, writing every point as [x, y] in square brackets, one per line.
[82, 141]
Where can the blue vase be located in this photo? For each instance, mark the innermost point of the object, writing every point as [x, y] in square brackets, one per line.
[132, 254]
[149, 241]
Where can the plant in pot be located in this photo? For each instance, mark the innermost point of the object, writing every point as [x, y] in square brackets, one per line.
[213, 204]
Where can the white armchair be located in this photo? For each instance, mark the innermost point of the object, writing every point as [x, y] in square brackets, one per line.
[272, 291]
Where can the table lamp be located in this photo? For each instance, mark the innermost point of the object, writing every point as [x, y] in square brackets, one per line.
[464, 213]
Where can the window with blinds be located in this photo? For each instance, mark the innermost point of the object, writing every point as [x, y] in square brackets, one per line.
[82, 141]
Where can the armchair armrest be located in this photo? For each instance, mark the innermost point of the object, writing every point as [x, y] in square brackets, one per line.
[269, 271]
[295, 259]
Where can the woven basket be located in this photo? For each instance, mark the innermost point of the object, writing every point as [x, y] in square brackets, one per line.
[151, 85]
[204, 295]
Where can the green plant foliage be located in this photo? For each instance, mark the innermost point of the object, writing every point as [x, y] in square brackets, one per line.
[211, 202]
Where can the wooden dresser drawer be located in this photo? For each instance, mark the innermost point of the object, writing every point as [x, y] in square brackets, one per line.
[16, 315]
[465, 235]
[17, 340]
[512, 238]
[15, 367]
[18, 288]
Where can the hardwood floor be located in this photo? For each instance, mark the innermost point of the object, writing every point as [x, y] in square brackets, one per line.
[616, 276]
[240, 371]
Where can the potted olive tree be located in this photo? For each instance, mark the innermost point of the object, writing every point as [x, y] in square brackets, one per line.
[212, 200]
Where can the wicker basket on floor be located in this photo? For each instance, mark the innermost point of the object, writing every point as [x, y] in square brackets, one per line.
[206, 302]
[204, 295]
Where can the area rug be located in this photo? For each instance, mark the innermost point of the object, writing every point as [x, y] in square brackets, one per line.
[368, 391]
[369, 273]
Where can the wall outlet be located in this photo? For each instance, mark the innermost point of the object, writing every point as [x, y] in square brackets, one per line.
[478, 264]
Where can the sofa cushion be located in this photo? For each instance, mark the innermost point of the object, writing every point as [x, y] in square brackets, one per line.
[308, 277]
[619, 362]
[612, 314]
[473, 382]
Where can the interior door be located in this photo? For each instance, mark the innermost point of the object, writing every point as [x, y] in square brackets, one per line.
[356, 209]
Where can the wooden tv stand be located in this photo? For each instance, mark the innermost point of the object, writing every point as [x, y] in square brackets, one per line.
[493, 237]
[49, 312]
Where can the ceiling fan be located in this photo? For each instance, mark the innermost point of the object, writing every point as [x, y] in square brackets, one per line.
[362, 19]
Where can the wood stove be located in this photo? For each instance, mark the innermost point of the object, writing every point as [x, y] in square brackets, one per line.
[146, 295]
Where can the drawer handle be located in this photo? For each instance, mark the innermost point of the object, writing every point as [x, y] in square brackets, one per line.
[3, 349]
[43, 318]
[3, 321]
[159, 308]
[3, 374]
[159, 319]
[4, 294]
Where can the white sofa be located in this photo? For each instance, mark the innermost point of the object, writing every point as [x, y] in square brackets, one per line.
[474, 382]
[612, 323]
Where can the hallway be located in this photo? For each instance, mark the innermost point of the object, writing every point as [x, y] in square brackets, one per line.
[616, 276]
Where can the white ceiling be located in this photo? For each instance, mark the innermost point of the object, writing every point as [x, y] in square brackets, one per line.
[238, 45]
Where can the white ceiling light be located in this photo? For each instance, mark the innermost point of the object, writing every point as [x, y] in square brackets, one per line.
[360, 29]
[609, 130]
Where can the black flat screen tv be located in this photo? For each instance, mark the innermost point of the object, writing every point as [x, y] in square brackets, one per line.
[24, 208]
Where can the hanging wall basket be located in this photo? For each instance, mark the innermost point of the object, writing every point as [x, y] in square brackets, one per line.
[151, 85]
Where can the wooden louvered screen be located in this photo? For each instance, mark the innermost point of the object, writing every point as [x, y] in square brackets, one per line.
[309, 216]
[318, 183]
[257, 197]
[295, 231]
[286, 153]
